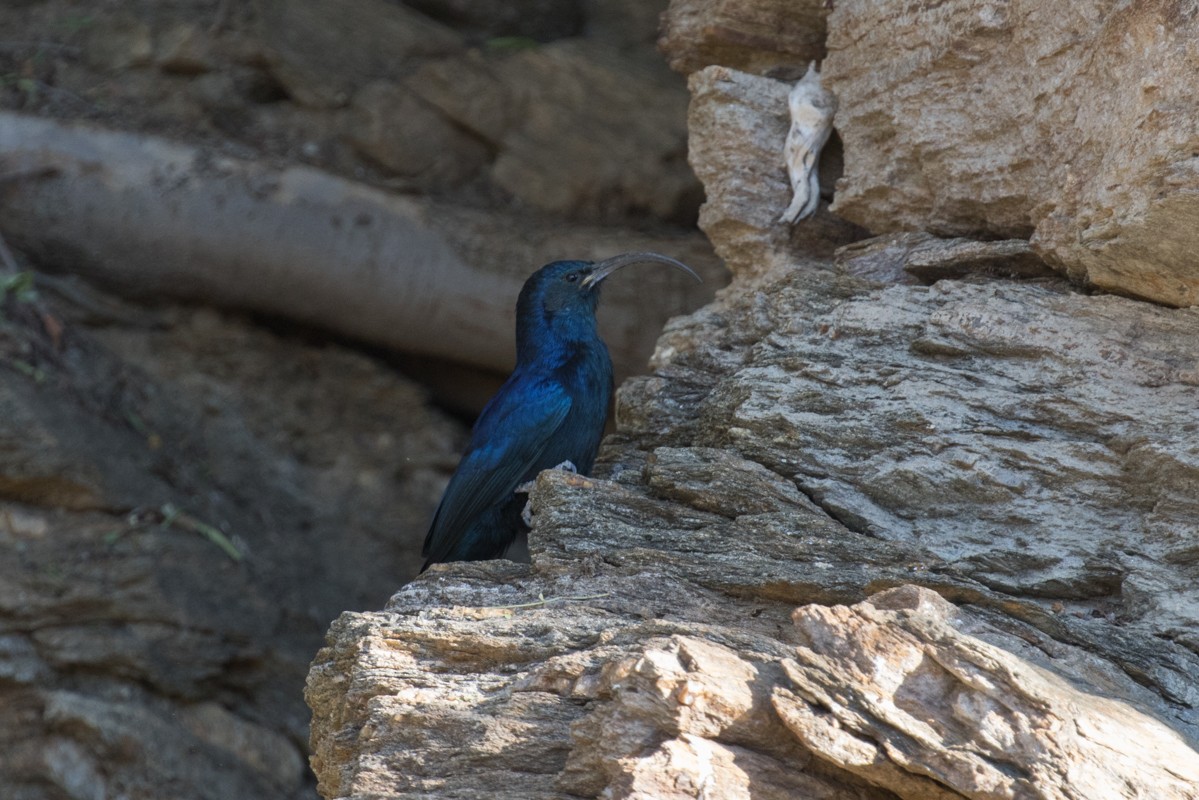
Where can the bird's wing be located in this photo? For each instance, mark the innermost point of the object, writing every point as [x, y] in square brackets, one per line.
[511, 435]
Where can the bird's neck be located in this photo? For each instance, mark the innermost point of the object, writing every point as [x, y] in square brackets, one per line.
[549, 342]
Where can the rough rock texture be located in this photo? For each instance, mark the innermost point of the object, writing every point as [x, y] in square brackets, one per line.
[1014, 459]
[186, 500]
[959, 712]
[1026, 451]
[917, 257]
[1075, 124]
[754, 37]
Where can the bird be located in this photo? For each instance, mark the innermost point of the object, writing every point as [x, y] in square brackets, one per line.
[812, 110]
[549, 413]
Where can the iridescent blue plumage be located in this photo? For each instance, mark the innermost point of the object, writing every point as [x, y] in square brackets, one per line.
[550, 410]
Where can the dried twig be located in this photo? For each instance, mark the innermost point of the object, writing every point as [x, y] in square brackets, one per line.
[542, 600]
[172, 515]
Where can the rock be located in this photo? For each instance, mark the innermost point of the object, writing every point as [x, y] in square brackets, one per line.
[306, 45]
[1014, 459]
[540, 20]
[880, 435]
[393, 127]
[579, 129]
[693, 528]
[912, 257]
[955, 134]
[972, 718]
[756, 37]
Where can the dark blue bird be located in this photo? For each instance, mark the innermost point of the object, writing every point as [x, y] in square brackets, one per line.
[550, 411]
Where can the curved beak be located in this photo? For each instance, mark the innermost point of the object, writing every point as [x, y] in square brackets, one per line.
[602, 269]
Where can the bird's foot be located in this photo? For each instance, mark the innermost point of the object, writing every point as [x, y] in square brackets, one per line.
[526, 513]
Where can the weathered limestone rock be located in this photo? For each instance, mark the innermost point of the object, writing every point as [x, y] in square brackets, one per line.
[974, 438]
[920, 257]
[751, 37]
[981, 494]
[1074, 124]
[958, 712]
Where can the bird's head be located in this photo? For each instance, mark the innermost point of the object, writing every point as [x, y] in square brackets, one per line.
[562, 296]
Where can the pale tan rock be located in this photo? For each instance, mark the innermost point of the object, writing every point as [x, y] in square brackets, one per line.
[1071, 123]
[751, 37]
[929, 708]
[915, 257]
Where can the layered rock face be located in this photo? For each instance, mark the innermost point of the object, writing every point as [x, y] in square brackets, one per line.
[915, 519]
[1074, 123]
[1013, 447]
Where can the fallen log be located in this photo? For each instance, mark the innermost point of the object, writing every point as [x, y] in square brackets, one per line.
[153, 218]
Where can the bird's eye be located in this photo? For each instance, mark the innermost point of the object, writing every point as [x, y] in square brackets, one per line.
[572, 277]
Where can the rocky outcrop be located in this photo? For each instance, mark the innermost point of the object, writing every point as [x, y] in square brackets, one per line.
[1018, 448]
[814, 440]
[916, 520]
[1074, 125]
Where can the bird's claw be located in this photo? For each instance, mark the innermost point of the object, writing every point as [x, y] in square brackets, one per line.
[526, 513]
